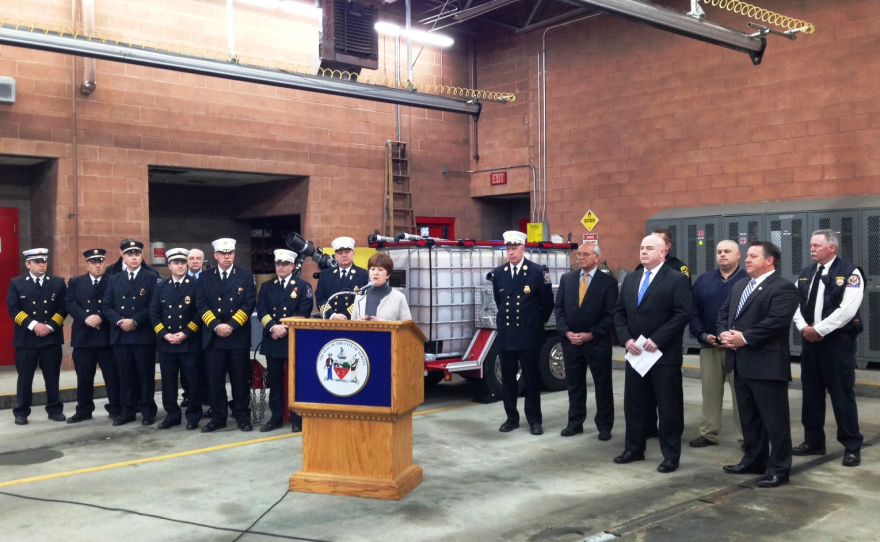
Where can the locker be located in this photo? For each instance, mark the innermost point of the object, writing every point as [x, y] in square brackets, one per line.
[700, 236]
[869, 340]
[743, 229]
[845, 224]
[790, 233]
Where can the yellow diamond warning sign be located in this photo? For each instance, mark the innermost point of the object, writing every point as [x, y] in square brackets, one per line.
[590, 220]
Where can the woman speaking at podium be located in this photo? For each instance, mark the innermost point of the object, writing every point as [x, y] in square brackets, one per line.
[380, 301]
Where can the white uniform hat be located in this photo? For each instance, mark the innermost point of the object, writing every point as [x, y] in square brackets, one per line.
[224, 245]
[515, 238]
[282, 255]
[176, 254]
[342, 242]
[36, 254]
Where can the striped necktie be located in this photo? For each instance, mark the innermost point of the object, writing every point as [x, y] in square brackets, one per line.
[746, 293]
[644, 287]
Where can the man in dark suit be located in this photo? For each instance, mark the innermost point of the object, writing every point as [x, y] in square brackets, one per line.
[127, 310]
[36, 304]
[753, 325]
[831, 292]
[226, 297]
[284, 297]
[584, 317]
[176, 323]
[524, 297]
[654, 303]
[90, 338]
[346, 277]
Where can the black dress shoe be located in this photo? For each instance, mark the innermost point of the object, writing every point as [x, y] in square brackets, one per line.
[122, 420]
[190, 426]
[572, 430]
[296, 427]
[668, 465]
[629, 457]
[741, 468]
[184, 403]
[701, 442]
[113, 417]
[271, 426]
[806, 449]
[148, 421]
[773, 480]
[57, 417]
[536, 429]
[76, 418]
[165, 424]
[508, 426]
[212, 426]
[21, 420]
[604, 435]
[245, 426]
[852, 459]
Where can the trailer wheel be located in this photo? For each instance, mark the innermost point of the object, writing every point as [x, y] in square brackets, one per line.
[492, 372]
[552, 365]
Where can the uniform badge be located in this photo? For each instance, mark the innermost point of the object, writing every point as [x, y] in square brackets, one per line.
[505, 268]
[356, 289]
[240, 290]
[686, 271]
[334, 271]
[527, 289]
[839, 281]
[186, 281]
[352, 271]
[187, 300]
[275, 281]
[293, 293]
[143, 292]
[525, 268]
[853, 281]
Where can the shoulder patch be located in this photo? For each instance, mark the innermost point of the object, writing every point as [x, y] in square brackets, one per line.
[309, 291]
[547, 278]
[853, 281]
[686, 271]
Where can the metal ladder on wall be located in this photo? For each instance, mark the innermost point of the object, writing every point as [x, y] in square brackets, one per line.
[399, 216]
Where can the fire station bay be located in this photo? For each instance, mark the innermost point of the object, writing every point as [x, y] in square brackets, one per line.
[432, 270]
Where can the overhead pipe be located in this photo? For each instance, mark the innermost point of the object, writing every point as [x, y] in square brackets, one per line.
[82, 46]
[90, 78]
[678, 22]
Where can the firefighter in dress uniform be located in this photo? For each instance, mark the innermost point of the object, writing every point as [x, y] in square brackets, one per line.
[176, 323]
[347, 277]
[284, 297]
[127, 310]
[524, 296]
[36, 304]
[226, 297]
[90, 338]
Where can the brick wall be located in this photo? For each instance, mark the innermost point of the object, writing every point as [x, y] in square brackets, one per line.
[640, 120]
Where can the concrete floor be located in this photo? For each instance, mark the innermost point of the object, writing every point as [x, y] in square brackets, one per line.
[92, 481]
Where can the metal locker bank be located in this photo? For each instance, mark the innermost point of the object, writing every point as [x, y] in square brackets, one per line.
[789, 225]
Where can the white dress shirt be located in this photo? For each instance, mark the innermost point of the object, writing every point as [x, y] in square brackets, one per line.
[849, 305]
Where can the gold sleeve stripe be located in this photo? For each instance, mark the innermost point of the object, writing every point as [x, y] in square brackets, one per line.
[208, 317]
[240, 317]
[266, 319]
[58, 319]
[193, 326]
[324, 307]
[351, 309]
[21, 317]
[159, 328]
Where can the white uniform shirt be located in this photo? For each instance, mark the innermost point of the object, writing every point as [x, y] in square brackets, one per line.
[849, 305]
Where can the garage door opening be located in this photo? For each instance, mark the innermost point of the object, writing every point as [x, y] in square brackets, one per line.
[503, 213]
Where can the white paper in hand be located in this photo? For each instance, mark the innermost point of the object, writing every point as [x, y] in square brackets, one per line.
[644, 361]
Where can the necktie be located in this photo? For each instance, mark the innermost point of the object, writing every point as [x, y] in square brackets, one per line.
[130, 276]
[344, 274]
[515, 271]
[224, 276]
[95, 283]
[177, 285]
[582, 290]
[742, 300]
[39, 284]
[644, 287]
[810, 315]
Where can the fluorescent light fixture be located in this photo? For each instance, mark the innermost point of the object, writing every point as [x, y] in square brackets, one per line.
[294, 8]
[419, 36]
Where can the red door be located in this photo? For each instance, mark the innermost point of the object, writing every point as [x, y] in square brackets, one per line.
[8, 269]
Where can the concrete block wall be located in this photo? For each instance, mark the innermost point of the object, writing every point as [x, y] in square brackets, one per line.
[641, 120]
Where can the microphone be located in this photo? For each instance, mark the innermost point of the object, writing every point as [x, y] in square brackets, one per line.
[363, 290]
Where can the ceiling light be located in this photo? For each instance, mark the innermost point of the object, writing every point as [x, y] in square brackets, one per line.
[419, 36]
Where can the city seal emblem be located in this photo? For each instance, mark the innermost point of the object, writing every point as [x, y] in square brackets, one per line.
[343, 367]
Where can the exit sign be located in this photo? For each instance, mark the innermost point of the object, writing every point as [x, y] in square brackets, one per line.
[499, 177]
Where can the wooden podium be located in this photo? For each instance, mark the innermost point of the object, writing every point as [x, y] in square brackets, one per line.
[356, 384]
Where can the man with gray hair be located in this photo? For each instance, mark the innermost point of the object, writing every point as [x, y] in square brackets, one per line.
[831, 293]
[710, 292]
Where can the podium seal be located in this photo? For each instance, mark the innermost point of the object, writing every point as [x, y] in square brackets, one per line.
[343, 367]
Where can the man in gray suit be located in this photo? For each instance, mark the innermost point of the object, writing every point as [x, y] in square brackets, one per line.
[753, 325]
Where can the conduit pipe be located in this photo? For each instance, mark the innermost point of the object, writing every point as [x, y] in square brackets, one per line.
[90, 78]
[82, 46]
